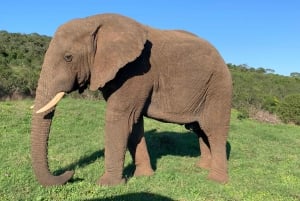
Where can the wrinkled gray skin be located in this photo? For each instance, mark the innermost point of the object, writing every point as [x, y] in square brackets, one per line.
[172, 76]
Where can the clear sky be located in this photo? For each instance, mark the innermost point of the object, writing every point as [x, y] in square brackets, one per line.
[259, 33]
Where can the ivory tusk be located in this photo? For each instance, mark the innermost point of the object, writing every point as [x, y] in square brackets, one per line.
[52, 103]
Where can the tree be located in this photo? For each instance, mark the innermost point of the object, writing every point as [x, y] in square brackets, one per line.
[295, 74]
[269, 70]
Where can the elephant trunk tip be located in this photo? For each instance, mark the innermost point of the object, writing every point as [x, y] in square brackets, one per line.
[51, 180]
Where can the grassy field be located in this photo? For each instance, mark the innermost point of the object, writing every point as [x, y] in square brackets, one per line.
[264, 161]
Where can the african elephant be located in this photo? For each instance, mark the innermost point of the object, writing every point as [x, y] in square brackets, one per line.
[172, 76]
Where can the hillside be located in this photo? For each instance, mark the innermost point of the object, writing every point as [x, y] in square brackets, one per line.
[255, 89]
[21, 56]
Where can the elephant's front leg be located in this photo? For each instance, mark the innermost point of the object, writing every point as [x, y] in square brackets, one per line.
[117, 130]
[138, 149]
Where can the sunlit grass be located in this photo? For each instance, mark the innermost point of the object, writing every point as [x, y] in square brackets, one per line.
[264, 161]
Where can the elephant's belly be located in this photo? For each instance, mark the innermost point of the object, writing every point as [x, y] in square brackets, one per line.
[171, 107]
[157, 112]
[178, 100]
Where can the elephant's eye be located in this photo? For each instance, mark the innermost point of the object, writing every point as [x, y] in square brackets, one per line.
[68, 57]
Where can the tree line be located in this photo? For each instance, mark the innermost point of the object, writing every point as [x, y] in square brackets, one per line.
[21, 57]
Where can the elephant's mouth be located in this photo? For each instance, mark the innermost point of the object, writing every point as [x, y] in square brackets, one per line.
[81, 87]
[52, 103]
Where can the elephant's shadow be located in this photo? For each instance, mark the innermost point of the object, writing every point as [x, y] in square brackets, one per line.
[171, 143]
[159, 144]
[145, 196]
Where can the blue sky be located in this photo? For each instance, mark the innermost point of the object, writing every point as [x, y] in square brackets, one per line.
[259, 33]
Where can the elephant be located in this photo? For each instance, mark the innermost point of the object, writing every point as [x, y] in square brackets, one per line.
[168, 75]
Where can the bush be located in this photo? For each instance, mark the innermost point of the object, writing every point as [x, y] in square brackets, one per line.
[270, 104]
[21, 57]
[289, 109]
[243, 114]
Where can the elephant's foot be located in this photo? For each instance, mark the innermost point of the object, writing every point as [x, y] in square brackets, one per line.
[218, 177]
[204, 164]
[143, 171]
[109, 180]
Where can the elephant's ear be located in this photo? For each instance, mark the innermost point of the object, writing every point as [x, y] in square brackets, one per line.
[115, 46]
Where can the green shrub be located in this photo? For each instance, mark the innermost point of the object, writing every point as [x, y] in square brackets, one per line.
[289, 109]
[270, 104]
[243, 114]
[21, 57]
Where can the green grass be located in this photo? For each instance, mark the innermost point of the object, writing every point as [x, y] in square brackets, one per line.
[264, 159]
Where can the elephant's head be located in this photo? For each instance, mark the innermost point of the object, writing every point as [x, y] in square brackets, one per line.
[83, 52]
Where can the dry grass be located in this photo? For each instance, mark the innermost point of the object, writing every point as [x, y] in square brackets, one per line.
[264, 116]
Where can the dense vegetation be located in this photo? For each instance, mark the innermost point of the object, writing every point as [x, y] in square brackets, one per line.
[21, 57]
[261, 89]
[263, 159]
[255, 89]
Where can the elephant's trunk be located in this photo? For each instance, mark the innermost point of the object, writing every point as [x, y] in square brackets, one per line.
[41, 124]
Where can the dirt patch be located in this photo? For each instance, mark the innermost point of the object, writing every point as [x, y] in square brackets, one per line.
[264, 116]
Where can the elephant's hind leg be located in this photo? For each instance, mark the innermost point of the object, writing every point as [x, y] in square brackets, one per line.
[216, 132]
[205, 158]
[138, 149]
[218, 171]
[205, 154]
